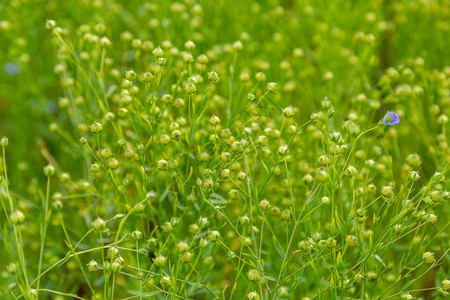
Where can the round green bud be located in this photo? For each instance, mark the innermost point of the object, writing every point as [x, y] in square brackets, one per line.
[12, 268]
[213, 236]
[199, 182]
[253, 296]
[112, 252]
[237, 45]
[4, 141]
[147, 77]
[283, 150]
[442, 119]
[324, 160]
[49, 171]
[325, 200]
[231, 255]
[96, 127]
[92, 266]
[214, 120]
[193, 228]
[176, 135]
[105, 42]
[351, 171]
[360, 215]
[160, 261]
[436, 196]
[431, 218]
[57, 205]
[263, 140]
[372, 276]
[151, 195]
[414, 176]
[99, 224]
[446, 284]
[359, 278]
[136, 235]
[413, 160]
[213, 76]
[208, 183]
[116, 266]
[203, 243]
[442, 292]
[260, 76]
[182, 246]
[241, 176]
[140, 207]
[186, 257]
[307, 179]
[225, 156]
[151, 243]
[158, 52]
[204, 222]
[335, 149]
[244, 220]
[113, 163]
[106, 153]
[291, 129]
[107, 266]
[95, 168]
[50, 24]
[165, 282]
[387, 191]
[237, 147]
[275, 211]
[143, 252]
[331, 243]
[130, 75]
[162, 165]
[286, 215]
[264, 204]
[272, 86]
[371, 188]
[330, 113]
[254, 275]
[283, 292]
[351, 240]
[167, 227]
[322, 175]
[190, 88]
[118, 217]
[428, 257]
[233, 194]
[288, 112]
[17, 217]
[203, 59]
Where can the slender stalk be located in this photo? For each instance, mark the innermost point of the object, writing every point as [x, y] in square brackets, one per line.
[43, 235]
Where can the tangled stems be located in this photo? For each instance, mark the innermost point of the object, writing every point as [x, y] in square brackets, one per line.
[18, 241]
[353, 149]
[228, 162]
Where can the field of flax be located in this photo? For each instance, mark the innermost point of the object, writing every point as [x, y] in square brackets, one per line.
[195, 149]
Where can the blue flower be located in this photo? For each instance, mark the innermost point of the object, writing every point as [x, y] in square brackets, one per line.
[391, 118]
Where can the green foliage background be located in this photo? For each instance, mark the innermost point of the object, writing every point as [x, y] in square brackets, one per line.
[366, 57]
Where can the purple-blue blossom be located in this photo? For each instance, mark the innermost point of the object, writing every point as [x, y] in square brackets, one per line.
[391, 118]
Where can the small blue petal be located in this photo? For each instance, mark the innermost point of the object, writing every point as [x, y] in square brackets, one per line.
[391, 118]
[12, 69]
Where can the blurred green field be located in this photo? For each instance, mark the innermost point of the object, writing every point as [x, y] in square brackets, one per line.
[224, 149]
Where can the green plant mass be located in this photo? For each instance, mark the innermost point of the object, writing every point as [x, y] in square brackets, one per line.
[198, 149]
